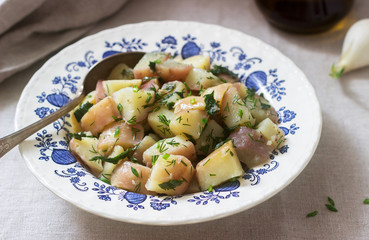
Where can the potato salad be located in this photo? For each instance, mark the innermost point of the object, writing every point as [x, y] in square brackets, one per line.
[172, 126]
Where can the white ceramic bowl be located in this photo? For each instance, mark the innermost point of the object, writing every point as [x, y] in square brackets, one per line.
[258, 64]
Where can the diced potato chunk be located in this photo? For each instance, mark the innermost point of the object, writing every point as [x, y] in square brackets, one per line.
[75, 126]
[190, 123]
[121, 134]
[111, 86]
[198, 61]
[178, 145]
[199, 79]
[131, 176]
[259, 107]
[121, 71]
[211, 135]
[219, 91]
[172, 91]
[100, 115]
[189, 103]
[151, 84]
[219, 167]
[146, 143]
[159, 120]
[109, 167]
[250, 146]
[271, 132]
[135, 102]
[171, 175]
[84, 150]
[171, 70]
[142, 68]
[234, 111]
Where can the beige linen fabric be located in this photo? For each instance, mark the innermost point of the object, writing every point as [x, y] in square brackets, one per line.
[338, 169]
[29, 30]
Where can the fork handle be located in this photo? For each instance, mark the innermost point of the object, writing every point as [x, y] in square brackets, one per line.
[9, 142]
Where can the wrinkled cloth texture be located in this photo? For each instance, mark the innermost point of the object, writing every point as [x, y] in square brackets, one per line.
[30, 30]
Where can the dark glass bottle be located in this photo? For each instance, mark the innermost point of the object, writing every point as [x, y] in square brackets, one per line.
[304, 16]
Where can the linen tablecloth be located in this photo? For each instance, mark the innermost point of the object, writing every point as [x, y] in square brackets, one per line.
[339, 169]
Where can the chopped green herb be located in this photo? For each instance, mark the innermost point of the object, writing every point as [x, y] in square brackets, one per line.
[93, 150]
[240, 113]
[152, 65]
[207, 162]
[116, 133]
[149, 97]
[219, 69]
[264, 106]
[120, 107]
[116, 119]
[170, 105]
[137, 187]
[223, 142]
[166, 156]
[204, 121]
[134, 132]
[134, 171]
[116, 159]
[205, 149]
[172, 142]
[92, 123]
[167, 171]
[161, 146]
[171, 184]
[104, 179]
[366, 201]
[212, 174]
[163, 119]
[312, 214]
[183, 163]
[135, 88]
[154, 158]
[132, 120]
[210, 189]
[330, 200]
[193, 101]
[211, 106]
[331, 208]
[82, 110]
[79, 135]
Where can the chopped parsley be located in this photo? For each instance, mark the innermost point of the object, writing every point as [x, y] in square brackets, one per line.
[134, 171]
[152, 65]
[132, 120]
[127, 153]
[171, 184]
[312, 214]
[219, 69]
[211, 105]
[154, 158]
[79, 135]
[366, 201]
[120, 107]
[163, 119]
[116, 132]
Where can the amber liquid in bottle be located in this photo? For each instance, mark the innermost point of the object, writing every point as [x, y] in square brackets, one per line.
[304, 16]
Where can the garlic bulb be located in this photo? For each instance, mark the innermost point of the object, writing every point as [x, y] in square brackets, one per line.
[355, 50]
